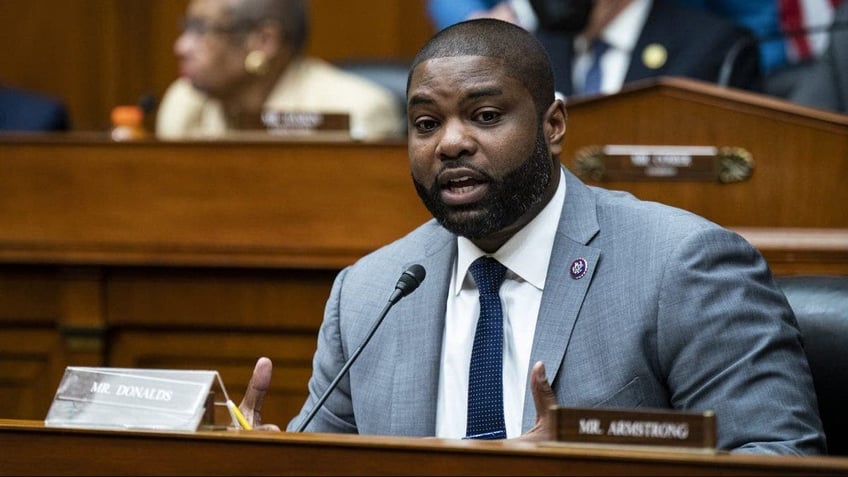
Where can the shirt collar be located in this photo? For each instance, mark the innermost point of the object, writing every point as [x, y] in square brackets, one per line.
[527, 253]
[623, 31]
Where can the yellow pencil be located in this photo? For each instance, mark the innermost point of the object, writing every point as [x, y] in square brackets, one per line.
[238, 417]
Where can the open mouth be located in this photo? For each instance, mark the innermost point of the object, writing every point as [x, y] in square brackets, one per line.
[463, 189]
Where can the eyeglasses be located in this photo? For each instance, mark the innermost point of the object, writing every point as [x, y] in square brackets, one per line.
[200, 27]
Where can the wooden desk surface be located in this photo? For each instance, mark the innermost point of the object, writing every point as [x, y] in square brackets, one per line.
[31, 449]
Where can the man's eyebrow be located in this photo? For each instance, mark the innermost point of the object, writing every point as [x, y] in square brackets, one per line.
[420, 99]
[475, 94]
[484, 92]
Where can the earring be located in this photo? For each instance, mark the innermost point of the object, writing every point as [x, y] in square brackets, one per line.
[256, 63]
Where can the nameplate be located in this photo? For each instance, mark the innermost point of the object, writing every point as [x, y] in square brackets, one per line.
[299, 122]
[672, 429]
[126, 398]
[663, 163]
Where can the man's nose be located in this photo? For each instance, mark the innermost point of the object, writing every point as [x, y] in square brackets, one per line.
[457, 140]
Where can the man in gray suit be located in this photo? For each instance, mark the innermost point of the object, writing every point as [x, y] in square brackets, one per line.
[607, 301]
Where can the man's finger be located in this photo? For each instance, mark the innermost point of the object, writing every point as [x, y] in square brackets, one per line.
[543, 398]
[251, 404]
[543, 395]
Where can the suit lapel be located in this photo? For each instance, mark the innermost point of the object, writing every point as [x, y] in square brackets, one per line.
[655, 31]
[564, 291]
[416, 378]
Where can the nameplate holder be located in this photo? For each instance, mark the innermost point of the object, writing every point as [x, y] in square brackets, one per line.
[127, 398]
[664, 163]
[304, 122]
[631, 427]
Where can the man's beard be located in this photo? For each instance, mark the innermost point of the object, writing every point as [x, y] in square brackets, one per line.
[507, 200]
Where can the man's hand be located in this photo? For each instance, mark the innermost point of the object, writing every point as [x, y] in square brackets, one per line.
[251, 405]
[544, 398]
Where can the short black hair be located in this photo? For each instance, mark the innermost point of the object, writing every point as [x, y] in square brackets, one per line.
[524, 58]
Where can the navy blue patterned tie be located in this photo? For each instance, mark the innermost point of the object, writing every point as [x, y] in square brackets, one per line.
[485, 377]
[593, 76]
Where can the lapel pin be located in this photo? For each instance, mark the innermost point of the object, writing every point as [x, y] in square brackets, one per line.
[578, 268]
[654, 56]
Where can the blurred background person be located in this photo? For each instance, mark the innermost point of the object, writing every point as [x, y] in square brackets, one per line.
[790, 34]
[598, 46]
[826, 85]
[22, 110]
[239, 58]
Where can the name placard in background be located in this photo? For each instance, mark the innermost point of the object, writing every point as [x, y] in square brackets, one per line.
[131, 398]
[670, 429]
[664, 163]
[292, 126]
[304, 122]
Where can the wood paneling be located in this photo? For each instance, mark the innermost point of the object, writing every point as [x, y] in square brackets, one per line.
[232, 353]
[31, 364]
[96, 54]
[800, 154]
[183, 255]
[65, 49]
[368, 28]
[157, 317]
[312, 205]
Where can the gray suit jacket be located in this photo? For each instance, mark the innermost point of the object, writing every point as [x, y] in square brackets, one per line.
[674, 312]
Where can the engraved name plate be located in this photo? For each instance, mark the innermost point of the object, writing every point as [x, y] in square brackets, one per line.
[305, 121]
[663, 163]
[123, 398]
[665, 428]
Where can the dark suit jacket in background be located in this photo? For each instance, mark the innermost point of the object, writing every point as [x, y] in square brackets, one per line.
[697, 43]
[25, 111]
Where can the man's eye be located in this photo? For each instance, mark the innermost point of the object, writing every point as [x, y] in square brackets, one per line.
[425, 125]
[488, 116]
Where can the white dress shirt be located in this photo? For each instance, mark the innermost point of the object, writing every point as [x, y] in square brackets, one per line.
[526, 256]
[621, 34]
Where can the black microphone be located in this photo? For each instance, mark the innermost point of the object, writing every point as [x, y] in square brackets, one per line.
[406, 284]
[729, 61]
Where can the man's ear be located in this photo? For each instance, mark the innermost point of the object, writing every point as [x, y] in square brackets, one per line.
[554, 126]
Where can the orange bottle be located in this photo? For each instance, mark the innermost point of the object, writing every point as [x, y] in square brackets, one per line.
[127, 123]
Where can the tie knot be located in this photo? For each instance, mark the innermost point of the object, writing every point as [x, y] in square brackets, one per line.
[488, 273]
[598, 47]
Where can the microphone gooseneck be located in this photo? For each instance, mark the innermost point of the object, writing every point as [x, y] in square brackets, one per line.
[409, 280]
